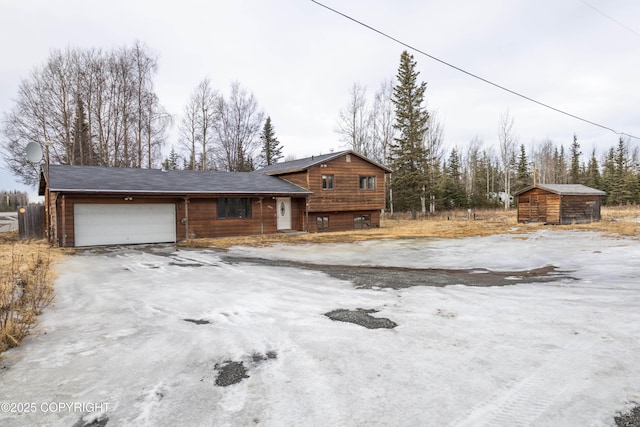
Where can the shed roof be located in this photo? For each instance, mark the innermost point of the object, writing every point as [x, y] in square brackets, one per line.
[565, 190]
[300, 165]
[97, 179]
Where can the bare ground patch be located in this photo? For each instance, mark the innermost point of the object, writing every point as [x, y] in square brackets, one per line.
[402, 277]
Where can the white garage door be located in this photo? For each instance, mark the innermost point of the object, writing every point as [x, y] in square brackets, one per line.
[111, 224]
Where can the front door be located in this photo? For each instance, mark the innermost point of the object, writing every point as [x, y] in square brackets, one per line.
[283, 206]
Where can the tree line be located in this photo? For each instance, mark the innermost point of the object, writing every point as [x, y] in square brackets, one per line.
[11, 200]
[395, 128]
[99, 107]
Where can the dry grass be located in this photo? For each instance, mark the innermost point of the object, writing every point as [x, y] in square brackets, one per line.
[616, 221]
[26, 285]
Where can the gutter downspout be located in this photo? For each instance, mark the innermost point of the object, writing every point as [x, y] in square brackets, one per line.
[306, 214]
[185, 220]
[261, 216]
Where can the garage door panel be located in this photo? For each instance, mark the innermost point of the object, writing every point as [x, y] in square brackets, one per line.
[110, 224]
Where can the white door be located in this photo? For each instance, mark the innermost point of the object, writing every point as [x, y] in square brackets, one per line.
[112, 224]
[284, 213]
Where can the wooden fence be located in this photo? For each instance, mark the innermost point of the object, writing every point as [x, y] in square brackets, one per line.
[31, 222]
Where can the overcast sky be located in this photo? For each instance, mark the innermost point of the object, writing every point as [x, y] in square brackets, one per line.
[299, 59]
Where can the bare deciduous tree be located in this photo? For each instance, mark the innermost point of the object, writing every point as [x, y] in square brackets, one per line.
[123, 125]
[508, 141]
[354, 122]
[382, 119]
[237, 130]
[196, 128]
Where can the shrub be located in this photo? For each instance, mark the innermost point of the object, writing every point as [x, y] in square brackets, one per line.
[25, 290]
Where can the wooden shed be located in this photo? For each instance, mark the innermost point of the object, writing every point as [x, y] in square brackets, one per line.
[559, 204]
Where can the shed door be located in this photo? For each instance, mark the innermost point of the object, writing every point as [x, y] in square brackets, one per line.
[284, 213]
[112, 224]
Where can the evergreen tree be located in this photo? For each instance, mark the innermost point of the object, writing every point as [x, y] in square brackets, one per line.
[593, 178]
[575, 177]
[407, 152]
[523, 178]
[271, 148]
[609, 178]
[171, 162]
[453, 192]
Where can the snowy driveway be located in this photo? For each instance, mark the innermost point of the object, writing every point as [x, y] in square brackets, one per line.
[139, 337]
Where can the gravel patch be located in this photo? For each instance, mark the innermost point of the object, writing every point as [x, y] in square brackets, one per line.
[361, 317]
[230, 373]
[401, 277]
[629, 419]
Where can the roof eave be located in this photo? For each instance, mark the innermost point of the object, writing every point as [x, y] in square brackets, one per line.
[175, 193]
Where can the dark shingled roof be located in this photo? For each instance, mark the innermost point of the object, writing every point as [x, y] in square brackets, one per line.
[304, 164]
[96, 179]
[566, 190]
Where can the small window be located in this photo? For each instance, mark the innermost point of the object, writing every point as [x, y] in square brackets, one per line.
[327, 182]
[234, 208]
[322, 223]
[367, 182]
[361, 221]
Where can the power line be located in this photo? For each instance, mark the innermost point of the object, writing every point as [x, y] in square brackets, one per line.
[471, 74]
[609, 17]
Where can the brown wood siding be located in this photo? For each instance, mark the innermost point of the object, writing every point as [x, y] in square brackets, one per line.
[202, 216]
[533, 206]
[580, 209]
[346, 194]
[65, 208]
[537, 205]
[342, 221]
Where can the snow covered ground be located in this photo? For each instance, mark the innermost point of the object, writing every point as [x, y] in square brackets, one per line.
[115, 343]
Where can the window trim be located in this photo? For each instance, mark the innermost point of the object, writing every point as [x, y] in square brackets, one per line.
[222, 205]
[328, 181]
[367, 180]
[324, 221]
[363, 220]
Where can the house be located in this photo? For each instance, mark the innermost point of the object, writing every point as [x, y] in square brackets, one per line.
[559, 204]
[91, 205]
[348, 190]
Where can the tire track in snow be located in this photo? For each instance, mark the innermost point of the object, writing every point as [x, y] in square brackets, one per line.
[520, 403]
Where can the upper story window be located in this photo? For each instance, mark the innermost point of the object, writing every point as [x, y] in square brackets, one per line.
[327, 182]
[234, 207]
[367, 182]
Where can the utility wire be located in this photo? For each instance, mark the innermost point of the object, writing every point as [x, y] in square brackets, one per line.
[609, 17]
[471, 74]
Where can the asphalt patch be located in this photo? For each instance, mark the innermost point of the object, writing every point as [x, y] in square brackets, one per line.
[361, 317]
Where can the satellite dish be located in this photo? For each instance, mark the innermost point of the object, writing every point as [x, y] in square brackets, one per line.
[34, 152]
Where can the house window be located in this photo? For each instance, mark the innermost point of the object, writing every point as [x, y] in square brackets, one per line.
[322, 223]
[362, 221]
[367, 182]
[234, 207]
[327, 182]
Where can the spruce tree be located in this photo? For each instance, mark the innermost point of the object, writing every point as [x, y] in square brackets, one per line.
[592, 178]
[523, 179]
[271, 148]
[407, 152]
[574, 173]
